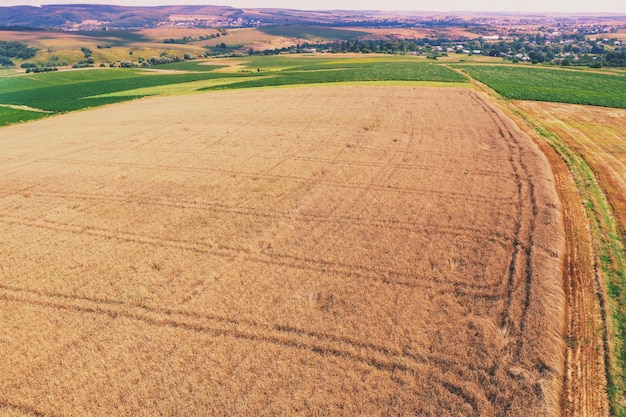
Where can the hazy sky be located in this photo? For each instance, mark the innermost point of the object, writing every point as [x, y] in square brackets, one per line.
[568, 6]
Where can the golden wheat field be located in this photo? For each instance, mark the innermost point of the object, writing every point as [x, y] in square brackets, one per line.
[305, 251]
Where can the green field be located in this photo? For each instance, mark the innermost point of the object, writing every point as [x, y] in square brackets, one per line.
[115, 37]
[552, 84]
[65, 91]
[10, 116]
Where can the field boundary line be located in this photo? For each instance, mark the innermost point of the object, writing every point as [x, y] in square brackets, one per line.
[26, 108]
[585, 397]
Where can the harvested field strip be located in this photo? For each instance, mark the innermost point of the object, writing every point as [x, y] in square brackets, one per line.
[597, 134]
[602, 338]
[306, 253]
[586, 361]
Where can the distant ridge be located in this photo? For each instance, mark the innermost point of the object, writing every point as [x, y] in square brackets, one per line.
[119, 17]
[102, 17]
[85, 16]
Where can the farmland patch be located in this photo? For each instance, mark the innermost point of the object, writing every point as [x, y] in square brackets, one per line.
[285, 251]
[552, 85]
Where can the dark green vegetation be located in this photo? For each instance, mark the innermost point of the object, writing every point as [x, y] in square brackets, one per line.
[422, 46]
[312, 32]
[74, 90]
[10, 50]
[552, 84]
[342, 70]
[67, 91]
[9, 115]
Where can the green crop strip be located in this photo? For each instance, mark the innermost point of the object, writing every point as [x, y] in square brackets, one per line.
[552, 84]
[10, 116]
[66, 91]
[350, 72]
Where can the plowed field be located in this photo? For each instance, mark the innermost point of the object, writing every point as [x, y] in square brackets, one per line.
[307, 251]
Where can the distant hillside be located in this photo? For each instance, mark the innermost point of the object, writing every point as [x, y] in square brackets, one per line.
[82, 16]
[95, 17]
[92, 16]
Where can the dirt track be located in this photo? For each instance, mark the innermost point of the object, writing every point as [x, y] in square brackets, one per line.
[280, 252]
[584, 383]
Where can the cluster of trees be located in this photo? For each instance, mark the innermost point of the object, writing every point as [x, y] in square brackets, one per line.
[41, 69]
[615, 58]
[189, 39]
[571, 51]
[165, 58]
[52, 63]
[88, 62]
[399, 46]
[18, 50]
[575, 50]
[224, 49]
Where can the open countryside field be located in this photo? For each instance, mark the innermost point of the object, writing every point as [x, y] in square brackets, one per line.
[280, 252]
[598, 133]
[592, 141]
[65, 91]
[555, 84]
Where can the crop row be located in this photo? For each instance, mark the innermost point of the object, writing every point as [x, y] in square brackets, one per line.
[553, 85]
[74, 90]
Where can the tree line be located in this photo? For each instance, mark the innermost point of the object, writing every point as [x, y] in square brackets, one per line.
[576, 50]
[14, 49]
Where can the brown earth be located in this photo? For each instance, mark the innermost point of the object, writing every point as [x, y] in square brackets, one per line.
[280, 252]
